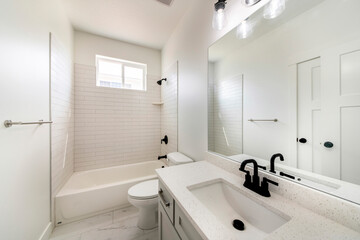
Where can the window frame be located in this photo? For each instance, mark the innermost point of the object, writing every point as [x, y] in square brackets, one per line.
[124, 63]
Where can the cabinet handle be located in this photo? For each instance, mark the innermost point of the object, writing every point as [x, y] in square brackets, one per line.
[179, 221]
[167, 204]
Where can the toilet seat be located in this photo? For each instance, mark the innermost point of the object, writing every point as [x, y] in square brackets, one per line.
[144, 190]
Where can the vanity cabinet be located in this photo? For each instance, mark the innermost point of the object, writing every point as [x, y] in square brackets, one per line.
[183, 226]
[173, 224]
[166, 201]
[166, 228]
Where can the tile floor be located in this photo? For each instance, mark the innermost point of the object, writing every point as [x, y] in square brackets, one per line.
[116, 225]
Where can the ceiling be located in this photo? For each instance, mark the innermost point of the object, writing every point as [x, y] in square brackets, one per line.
[144, 22]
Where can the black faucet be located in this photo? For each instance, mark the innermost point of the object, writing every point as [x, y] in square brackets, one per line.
[160, 157]
[272, 161]
[253, 184]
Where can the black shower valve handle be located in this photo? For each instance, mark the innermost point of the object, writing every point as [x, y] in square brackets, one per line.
[165, 140]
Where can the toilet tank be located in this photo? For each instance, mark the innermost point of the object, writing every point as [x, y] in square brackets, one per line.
[176, 158]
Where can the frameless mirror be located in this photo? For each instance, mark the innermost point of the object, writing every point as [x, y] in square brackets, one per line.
[291, 85]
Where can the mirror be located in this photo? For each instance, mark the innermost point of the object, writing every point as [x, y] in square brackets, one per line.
[292, 87]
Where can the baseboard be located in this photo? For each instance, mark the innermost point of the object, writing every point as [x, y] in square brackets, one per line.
[47, 232]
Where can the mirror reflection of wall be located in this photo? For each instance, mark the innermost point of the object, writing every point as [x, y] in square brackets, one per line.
[225, 111]
[301, 68]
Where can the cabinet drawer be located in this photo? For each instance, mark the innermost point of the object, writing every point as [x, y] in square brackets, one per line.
[166, 201]
[184, 227]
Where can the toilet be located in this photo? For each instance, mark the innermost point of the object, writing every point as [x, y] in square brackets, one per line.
[144, 195]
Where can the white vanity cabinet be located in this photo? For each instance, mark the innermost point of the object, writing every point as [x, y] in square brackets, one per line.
[166, 201]
[166, 228]
[173, 224]
[183, 226]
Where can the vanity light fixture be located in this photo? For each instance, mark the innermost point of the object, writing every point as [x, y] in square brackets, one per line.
[273, 9]
[219, 17]
[249, 3]
[244, 29]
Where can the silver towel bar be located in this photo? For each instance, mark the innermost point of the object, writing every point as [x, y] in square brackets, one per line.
[263, 120]
[9, 123]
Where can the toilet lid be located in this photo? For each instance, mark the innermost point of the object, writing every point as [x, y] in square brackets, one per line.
[144, 190]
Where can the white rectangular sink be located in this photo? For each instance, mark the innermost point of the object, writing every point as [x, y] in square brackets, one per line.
[228, 203]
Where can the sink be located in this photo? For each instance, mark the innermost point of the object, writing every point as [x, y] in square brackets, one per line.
[228, 203]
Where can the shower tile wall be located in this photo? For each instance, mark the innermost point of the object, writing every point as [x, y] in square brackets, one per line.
[169, 110]
[114, 126]
[62, 114]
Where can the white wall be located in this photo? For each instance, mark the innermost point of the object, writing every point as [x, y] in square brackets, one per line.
[114, 126]
[24, 96]
[62, 115]
[88, 45]
[188, 44]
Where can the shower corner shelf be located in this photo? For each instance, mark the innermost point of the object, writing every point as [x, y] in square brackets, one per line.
[157, 103]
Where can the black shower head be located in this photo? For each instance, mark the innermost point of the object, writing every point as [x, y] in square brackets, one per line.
[160, 81]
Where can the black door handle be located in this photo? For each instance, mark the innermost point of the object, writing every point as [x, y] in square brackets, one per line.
[302, 140]
[328, 144]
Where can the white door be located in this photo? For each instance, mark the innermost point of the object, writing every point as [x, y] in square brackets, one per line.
[309, 113]
[329, 113]
[24, 150]
[341, 122]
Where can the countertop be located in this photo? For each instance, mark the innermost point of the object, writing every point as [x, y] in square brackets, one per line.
[303, 223]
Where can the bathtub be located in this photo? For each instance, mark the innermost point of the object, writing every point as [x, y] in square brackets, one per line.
[92, 192]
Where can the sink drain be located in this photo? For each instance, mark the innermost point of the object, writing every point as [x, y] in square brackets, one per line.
[239, 225]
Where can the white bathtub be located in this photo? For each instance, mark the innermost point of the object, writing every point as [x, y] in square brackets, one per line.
[92, 192]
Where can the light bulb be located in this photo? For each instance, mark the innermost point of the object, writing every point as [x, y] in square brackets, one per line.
[244, 29]
[274, 8]
[219, 18]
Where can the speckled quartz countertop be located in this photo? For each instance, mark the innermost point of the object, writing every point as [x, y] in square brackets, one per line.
[303, 223]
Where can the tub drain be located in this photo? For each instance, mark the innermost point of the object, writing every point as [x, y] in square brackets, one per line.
[239, 225]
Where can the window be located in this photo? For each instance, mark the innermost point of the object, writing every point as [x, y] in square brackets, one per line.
[117, 73]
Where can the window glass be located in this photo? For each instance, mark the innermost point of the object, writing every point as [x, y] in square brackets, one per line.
[117, 73]
[134, 77]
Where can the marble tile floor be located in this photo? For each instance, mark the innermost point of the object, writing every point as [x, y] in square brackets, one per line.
[116, 225]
